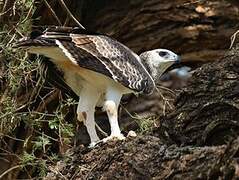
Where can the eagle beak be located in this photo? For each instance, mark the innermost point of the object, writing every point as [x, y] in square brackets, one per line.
[178, 59]
[165, 65]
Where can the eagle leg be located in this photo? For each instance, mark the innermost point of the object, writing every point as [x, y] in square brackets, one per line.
[111, 105]
[86, 111]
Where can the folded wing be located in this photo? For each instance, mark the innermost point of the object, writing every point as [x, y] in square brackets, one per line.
[102, 54]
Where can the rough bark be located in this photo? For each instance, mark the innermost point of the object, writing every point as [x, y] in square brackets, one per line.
[207, 110]
[148, 158]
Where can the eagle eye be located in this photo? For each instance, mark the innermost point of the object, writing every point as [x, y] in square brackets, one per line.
[162, 53]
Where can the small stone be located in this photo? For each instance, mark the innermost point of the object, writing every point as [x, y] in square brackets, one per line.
[132, 134]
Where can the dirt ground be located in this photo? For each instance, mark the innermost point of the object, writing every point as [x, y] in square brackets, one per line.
[199, 140]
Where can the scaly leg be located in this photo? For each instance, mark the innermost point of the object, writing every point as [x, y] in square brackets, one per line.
[86, 110]
[111, 105]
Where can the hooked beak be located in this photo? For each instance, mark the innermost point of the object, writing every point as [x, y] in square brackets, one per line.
[165, 65]
[178, 59]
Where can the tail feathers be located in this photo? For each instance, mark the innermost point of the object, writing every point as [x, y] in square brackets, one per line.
[40, 41]
[69, 30]
[50, 35]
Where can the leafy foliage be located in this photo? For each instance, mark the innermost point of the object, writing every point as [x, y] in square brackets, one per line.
[22, 108]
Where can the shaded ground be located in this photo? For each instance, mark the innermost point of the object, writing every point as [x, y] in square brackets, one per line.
[147, 157]
[199, 140]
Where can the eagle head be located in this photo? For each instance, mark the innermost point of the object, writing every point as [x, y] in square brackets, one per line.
[157, 61]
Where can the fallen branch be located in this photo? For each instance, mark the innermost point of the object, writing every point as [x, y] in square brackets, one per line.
[53, 12]
[233, 38]
[70, 14]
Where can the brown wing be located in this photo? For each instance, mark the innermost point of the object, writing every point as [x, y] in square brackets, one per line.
[101, 54]
[110, 58]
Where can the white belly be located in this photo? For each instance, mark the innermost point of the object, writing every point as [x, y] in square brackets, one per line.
[78, 77]
[81, 77]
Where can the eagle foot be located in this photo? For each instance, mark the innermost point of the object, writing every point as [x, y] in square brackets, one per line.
[109, 138]
[113, 137]
[94, 144]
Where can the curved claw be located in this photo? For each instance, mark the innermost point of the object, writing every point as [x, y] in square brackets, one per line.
[114, 137]
[109, 138]
[94, 144]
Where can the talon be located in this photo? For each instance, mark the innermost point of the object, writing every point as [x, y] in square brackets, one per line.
[113, 137]
[94, 144]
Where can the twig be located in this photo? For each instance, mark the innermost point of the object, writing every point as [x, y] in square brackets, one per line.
[9, 170]
[66, 21]
[8, 4]
[56, 140]
[5, 12]
[190, 3]
[53, 12]
[17, 31]
[233, 38]
[101, 130]
[28, 14]
[167, 89]
[16, 139]
[132, 116]
[10, 41]
[70, 14]
[166, 101]
[4, 95]
[49, 97]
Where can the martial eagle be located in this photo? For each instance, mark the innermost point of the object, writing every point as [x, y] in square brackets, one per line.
[99, 69]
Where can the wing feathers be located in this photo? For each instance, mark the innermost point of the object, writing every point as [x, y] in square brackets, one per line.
[101, 54]
[83, 58]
